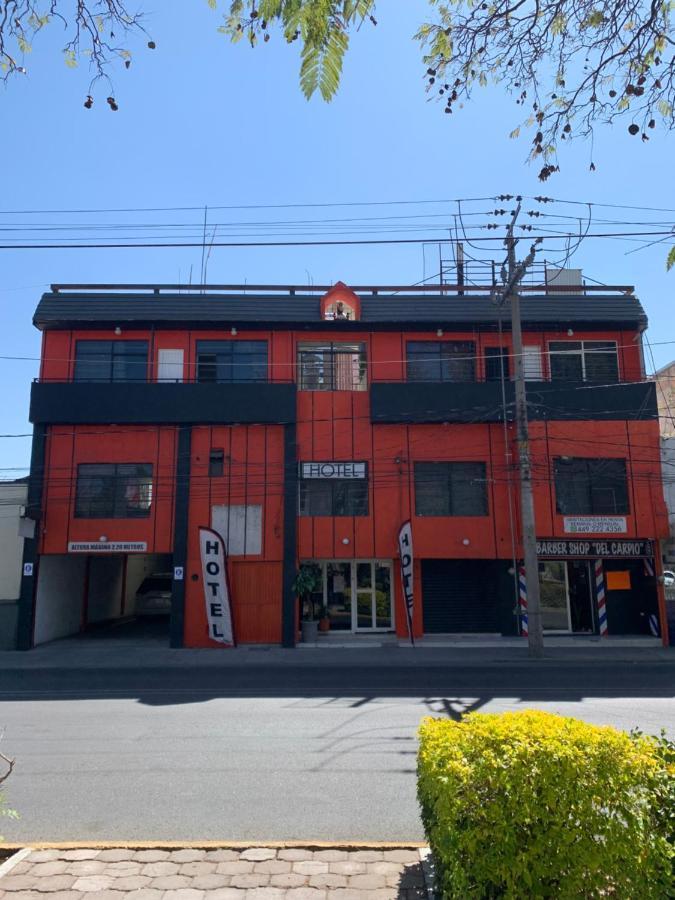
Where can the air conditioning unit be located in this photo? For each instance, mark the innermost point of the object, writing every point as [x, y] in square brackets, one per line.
[556, 278]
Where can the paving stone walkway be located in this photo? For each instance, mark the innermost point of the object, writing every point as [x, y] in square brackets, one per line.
[255, 873]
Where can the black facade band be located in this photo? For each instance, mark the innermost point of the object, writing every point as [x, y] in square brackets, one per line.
[289, 623]
[147, 403]
[473, 402]
[180, 535]
[26, 616]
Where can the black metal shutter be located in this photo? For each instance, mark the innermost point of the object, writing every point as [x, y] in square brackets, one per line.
[461, 596]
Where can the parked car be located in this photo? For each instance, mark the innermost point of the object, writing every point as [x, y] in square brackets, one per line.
[153, 597]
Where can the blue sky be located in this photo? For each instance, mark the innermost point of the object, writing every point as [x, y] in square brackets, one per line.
[202, 122]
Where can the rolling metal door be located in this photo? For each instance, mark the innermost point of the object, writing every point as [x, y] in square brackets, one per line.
[460, 596]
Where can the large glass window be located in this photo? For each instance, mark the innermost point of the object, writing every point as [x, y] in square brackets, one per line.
[594, 361]
[587, 487]
[113, 491]
[333, 497]
[332, 367]
[111, 361]
[231, 361]
[450, 489]
[441, 360]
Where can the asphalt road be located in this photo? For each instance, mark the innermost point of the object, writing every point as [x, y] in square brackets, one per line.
[271, 751]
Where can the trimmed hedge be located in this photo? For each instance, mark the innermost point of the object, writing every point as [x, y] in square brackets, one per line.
[531, 804]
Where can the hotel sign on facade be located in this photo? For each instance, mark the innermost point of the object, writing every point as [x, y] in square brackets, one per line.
[333, 470]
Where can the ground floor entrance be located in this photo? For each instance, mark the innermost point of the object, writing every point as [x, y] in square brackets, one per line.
[566, 596]
[97, 594]
[356, 593]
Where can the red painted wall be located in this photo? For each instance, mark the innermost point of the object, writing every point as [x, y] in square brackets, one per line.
[335, 426]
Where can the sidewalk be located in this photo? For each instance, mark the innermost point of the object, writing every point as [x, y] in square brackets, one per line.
[252, 873]
[441, 650]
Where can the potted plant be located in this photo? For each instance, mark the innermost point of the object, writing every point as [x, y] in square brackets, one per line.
[307, 582]
[324, 619]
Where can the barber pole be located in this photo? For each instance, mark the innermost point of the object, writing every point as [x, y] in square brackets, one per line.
[600, 596]
[648, 567]
[216, 587]
[522, 597]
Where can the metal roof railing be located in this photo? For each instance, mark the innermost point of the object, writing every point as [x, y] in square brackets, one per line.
[320, 289]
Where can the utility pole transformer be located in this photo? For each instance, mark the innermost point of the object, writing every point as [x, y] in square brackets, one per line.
[514, 273]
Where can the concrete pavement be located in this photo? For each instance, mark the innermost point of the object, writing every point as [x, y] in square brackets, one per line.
[253, 873]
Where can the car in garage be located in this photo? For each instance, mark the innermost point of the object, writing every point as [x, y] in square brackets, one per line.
[153, 597]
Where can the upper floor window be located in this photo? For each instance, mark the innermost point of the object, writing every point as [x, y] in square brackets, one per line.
[584, 361]
[450, 489]
[333, 497]
[231, 361]
[497, 364]
[111, 361]
[113, 490]
[590, 487]
[441, 360]
[332, 367]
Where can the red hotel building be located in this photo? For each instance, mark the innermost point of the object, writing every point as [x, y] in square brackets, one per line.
[307, 425]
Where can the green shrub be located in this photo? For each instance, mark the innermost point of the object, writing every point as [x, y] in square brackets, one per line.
[530, 804]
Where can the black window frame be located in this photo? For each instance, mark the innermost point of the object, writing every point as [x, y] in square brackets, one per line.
[497, 363]
[91, 498]
[106, 361]
[581, 491]
[231, 361]
[448, 358]
[325, 375]
[433, 477]
[333, 497]
[584, 355]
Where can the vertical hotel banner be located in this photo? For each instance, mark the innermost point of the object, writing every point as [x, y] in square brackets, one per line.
[405, 549]
[216, 587]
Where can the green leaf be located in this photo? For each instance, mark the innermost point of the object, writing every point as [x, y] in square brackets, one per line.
[670, 259]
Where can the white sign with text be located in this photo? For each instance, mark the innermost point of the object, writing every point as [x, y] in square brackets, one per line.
[216, 588]
[595, 524]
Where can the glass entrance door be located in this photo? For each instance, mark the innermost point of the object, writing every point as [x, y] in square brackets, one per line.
[356, 594]
[555, 613]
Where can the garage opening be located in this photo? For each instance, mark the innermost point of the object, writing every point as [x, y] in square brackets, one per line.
[105, 596]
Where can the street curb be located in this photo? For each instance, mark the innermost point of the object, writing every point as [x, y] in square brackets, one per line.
[214, 845]
[13, 860]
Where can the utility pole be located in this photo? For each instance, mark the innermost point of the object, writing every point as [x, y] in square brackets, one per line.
[512, 274]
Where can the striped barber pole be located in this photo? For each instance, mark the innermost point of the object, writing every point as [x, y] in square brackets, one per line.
[522, 597]
[600, 595]
[649, 567]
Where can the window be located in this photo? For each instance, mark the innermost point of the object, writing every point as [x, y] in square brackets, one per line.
[450, 489]
[216, 460]
[113, 491]
[496, 363]
[532, 362]
[228, 362]
[441, 360]
[170, 365]
[588, 487]
[332, 367]
[111, 361]
[240, 527]
[594, 361]
[333, 497]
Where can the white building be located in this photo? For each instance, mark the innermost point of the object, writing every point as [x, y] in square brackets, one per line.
[12, 504]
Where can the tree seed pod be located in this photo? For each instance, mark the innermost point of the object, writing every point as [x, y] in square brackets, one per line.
[633, 129]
